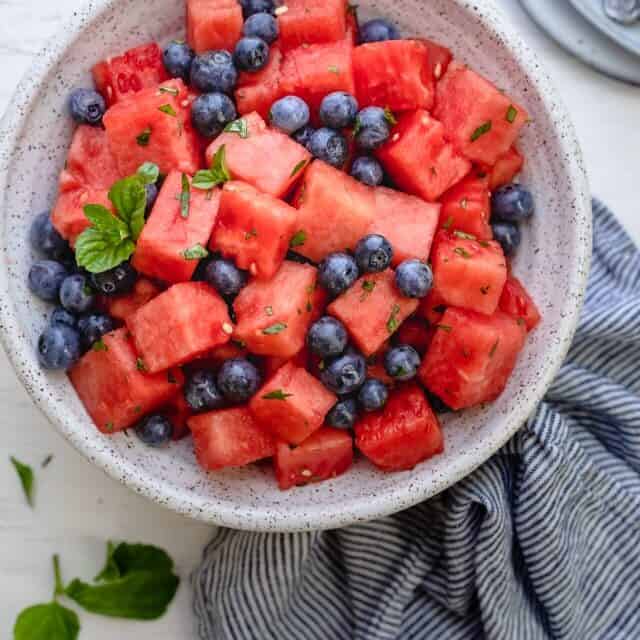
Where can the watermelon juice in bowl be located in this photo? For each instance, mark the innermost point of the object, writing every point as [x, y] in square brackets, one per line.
[305, 248]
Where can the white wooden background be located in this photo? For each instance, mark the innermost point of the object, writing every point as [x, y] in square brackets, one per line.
[77, 507]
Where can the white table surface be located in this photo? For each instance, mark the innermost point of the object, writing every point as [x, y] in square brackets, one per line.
[77, 507]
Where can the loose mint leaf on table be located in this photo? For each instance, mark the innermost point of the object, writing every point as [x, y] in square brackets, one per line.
[216, 175]
[149, 172]
[25, 473]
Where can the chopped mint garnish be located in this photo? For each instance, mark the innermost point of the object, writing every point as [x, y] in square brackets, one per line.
[168, 109]
[278, 394]
[238, 126]
[149, 172]
[462, 252]
[463, 235]
[185, 196]
[298, 239]
[392, 322]
[143, 138]
[274, 329]
[481, 130]
[172, 91]
[217, 174]
[298, 168]
[99, 345]
[197, 252]
[512, 114]
[390, 117]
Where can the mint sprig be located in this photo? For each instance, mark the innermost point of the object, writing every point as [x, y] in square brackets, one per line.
[216, 175]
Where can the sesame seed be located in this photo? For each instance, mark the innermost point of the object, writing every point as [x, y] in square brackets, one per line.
[396, 137]
[227, 328]
[185, 103]
[281, 10]
[437, 72]
[306, 473]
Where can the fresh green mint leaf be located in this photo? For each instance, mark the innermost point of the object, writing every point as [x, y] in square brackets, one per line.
[299, 238]
[216, 175]
[144, 137]
[390, 117]
[278, 394]
[299, 167]
[25, 473]
[99, 345]
[238, 126]
[185, 196]
[464, 236]
[481, 130]
[274, 329]
[197, 252]
[168, 109]
[512, 114]
[462, 252]
[49, 621]
[103, 220]
[111, 570]
[149, 172]
[97, 252]
[393, 323]
[129, 197]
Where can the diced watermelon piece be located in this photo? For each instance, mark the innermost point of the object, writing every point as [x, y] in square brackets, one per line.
[292, 404]
[468, 273]
[481, 121]
[372, 310]
[114, 391]
[267, 159]
[466, 207]
[516, 302]
[353, 31]
[213, 24]
[416, 333]
[471, 357]
[334, 211]
[405, 433]
[224, 352]
[229, 438]
[311, 22]
[258, 91]
[328, 453]
[184, 322]
[274, 316]
[407, 222]
[432, 307]
[439, 58]
[120, 307]
[394, 74]
[253, 228]
[271, 364]
[178, 412]
[155, 127]
[124, 76]
[167, 235]
[506, 168]
[427, 169]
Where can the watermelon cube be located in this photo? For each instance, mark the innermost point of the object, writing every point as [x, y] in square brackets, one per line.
[328, 453]
[405, 433]
[506, 168]
[178, 412]
[353, 31]
[334, 211]
[432, 307]
[427, 169]
[311, 22]
[516, 302]
[253, 228]
[466, 207]
[163, 247]
[113, 389]
[124, 76]
[468, 273]
[186, 321]
[481, 121]
[155, 127]
[407, 222]
[439, 58]
[213, 24]
[417, 333]
[120, 307]
[258, 91]
[267, 159]
[292, 404]
[471, 357]
[394, 74]
[372, 310]
[229, 438]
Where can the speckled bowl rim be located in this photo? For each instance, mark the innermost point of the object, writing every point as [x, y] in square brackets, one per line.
[17, 345]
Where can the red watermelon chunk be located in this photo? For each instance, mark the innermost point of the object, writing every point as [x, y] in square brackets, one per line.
[178, 412]
[407, 222]
[327, 454]
[466, 207]
[114, 391]
[267, 159]
[432, 307]
[292, 404]
[213, 24]
[229, 438]
[416, 333]
[468, 273]
[439, 58]
[372, 310]
[516, 302]
[482, 122]
[155, 127]
[186, 321]
[394, 74]
[471, 357]
[167, 235]
[334, 211]
[258, 91]
[426, 169]
[353, 31]
[311, 22]
[274, 315]
[405, 433]
[124, 76]
[506, 168]
[120, 307]
[68, 216]
[253, 228]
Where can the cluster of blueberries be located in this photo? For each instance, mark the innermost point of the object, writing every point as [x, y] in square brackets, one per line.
[510, 206]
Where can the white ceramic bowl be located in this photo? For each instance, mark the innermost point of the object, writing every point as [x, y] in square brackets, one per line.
[553, 262]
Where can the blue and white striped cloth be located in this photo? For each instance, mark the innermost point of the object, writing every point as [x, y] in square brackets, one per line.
[541, 542]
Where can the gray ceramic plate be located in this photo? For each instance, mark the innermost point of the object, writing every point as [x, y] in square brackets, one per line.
[553, 262]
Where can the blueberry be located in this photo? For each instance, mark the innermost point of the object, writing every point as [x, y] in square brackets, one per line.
[201, 391]
[214, 71]
[46, 278]
[92, 327]
[261, 25]
[238, 380]
[177, 58]
[378, 30]
[414, 278]
[330, 146]
[211, 113]
[251, 7]
[61, 316]
[507, 234]
[87, 106]
[289, 114]
[327, 337]
[155, 430]
[58, 347]
[337, 272]
[338, 110]
[303, 136]
[512, 203]
[373, 395]
[345, 374]
[367, 170]
[372, 128]
[152, 196]
[76, 294]
[373, 253]
[116, 281]
[251, 54]
[437, 404]
[225, 277]
[45, 239]
[402, 362]
[343, 415]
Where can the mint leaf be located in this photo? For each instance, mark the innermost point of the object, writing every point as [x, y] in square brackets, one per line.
[104, 221]
[217, 174]
[149, 172]
[481, 130]
[46, 622]
[170, 90]
[25, 473]
[278, 394]
[185, 196]
[96, 251]
[143, 138]
[197, 252]
[129, 197]
[238, 126]
[512, 114]
[390, 117]
[168, 109]
[299, 238]
[393, 323]
[111, 570]
[299, 167]
[274, 329]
